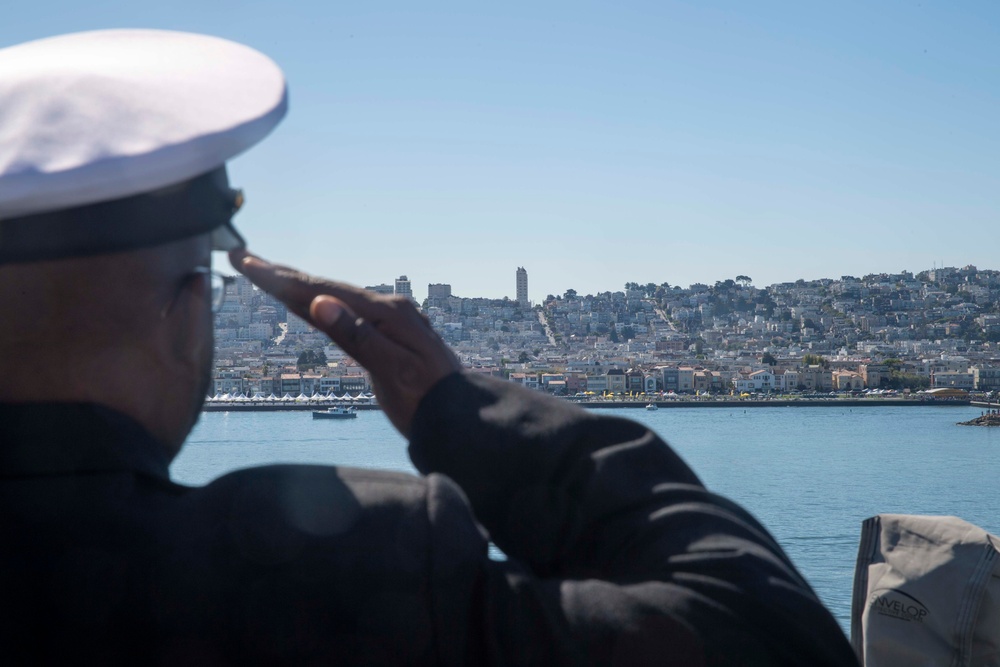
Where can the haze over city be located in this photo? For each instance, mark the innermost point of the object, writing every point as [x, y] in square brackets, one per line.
[595, 144]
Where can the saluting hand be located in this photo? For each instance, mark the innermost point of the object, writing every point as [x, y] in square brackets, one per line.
[387, 335]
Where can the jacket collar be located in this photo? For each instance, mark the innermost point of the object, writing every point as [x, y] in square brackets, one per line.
[38, 439]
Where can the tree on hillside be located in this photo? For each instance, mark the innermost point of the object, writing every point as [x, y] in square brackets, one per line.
[815, 360]
[724, 285]
[768, 359]
[744, 280]
[570, 294]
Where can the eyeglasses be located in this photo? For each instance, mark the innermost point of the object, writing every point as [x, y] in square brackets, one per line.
[219, 283]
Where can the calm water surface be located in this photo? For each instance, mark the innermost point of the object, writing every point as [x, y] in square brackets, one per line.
[811, 475]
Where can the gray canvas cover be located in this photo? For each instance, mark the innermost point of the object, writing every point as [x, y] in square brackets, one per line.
[926, 592]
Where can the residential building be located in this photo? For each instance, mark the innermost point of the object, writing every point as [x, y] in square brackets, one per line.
[297, 325]
[438, 291]
[403, 287]
[756, 381]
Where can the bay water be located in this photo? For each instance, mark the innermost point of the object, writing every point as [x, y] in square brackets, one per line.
[810, 474]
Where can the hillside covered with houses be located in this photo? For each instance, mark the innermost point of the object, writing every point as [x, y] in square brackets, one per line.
[937, 328]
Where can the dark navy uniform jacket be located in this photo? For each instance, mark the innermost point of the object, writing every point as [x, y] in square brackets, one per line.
[617, 553]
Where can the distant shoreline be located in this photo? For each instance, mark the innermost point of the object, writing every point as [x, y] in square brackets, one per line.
[782, 403]
[603, 405]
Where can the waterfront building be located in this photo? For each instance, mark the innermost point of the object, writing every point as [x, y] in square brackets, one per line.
[874, 374]
[548, 378]
[310, 383]
[816, 378]
[291, 384]
[957, 380]
[381, 289]
[575, 383]
[685, 379]
[354, 384]
[597, 383]
[757, 381]
[616, 380]
[987, 378]
[848, 381]
[522, 286]
[786, 379]
[330, 384]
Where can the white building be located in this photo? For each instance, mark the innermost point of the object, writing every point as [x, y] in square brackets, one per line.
[297, 325]
[758, 381]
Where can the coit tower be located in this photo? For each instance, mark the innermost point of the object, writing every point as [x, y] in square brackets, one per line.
[522, 286]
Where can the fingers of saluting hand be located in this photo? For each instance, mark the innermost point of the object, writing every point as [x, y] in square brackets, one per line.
[404, 370]
[397, 319]
[386, 335]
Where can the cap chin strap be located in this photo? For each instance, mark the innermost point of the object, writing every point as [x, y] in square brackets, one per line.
[201, 205]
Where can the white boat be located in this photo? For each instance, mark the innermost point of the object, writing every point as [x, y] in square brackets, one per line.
[336, 412]
[652, 406]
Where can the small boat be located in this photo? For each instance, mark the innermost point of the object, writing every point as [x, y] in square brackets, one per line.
[652, 406]
[336, 412]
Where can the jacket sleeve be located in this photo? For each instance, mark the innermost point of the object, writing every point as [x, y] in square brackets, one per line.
[617, 552]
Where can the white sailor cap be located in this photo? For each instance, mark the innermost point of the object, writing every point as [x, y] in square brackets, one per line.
[117, 139]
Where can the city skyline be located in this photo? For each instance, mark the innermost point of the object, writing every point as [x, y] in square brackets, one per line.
[419, 296]
[782, 139]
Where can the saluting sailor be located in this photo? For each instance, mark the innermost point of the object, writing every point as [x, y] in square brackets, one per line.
[113, 193]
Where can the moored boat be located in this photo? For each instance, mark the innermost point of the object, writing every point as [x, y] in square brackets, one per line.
[336, 412]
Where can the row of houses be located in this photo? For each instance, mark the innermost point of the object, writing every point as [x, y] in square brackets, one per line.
[242, 381]
[678, 379]
[694, 379]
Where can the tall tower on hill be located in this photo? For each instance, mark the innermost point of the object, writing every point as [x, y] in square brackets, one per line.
[522, 286]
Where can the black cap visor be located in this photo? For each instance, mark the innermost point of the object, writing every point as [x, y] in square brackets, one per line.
[204, 204]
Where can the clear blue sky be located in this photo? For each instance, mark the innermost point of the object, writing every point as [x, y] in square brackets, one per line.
[600, 143]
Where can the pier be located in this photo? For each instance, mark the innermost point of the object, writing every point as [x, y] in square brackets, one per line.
[299, 406]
